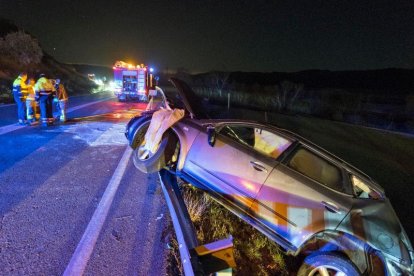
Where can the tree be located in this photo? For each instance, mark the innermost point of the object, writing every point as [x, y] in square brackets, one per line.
[21, 48]
[219, 81]
[286, 93]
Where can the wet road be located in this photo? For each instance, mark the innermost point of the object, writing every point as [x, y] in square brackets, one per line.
[71, 200]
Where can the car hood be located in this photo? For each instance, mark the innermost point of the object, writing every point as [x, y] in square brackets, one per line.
[191, 101]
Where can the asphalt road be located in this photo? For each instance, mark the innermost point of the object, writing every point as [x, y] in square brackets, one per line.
[71, 200]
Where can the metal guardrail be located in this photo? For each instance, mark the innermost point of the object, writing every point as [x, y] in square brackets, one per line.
[184, 229]
[196, 259]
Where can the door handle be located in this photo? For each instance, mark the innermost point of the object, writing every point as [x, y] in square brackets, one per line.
[258, 167]
[331, 207]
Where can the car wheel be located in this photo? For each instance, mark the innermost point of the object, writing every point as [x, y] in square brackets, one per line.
[325, 263]
[147, 161]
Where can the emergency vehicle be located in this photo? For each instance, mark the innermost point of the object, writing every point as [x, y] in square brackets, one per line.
[133, 82]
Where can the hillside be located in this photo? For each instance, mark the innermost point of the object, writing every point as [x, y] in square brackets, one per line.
[100, 71]
[398, 81]
[34, 61]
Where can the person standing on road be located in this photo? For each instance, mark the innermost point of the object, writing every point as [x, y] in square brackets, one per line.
[62, 98]
[44, 94]
[20, 94]
[30, 101]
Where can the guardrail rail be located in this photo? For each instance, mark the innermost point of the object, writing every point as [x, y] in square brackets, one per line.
[196, 259]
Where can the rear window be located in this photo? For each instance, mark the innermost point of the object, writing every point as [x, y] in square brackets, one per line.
[317, 168]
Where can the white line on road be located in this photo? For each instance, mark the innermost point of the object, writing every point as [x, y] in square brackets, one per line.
[13, 127]
[6, 105]
[9, 128]
[86, 245]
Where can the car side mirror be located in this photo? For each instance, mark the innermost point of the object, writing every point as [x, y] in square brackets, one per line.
[211, 135]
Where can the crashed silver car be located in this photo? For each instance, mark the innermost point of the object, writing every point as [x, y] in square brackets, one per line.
[310, 202]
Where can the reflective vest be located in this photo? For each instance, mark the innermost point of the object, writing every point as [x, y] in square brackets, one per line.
[30, 93]
[19, 89]
[61, 93]
[44, 86]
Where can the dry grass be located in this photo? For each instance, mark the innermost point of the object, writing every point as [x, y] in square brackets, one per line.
[254, 253]
[196, 206]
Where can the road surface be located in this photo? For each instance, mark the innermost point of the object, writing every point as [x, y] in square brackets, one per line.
[71, 201]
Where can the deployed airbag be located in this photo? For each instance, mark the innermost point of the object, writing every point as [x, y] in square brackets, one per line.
[161, 120]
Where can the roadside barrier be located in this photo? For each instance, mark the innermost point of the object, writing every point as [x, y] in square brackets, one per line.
[196, 259]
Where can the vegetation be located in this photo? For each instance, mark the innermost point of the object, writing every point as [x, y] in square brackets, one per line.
[376, 98]
[20, 48]
[254, 253]
[21, 52]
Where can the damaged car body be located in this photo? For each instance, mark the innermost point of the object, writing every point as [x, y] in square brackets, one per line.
[304, 198]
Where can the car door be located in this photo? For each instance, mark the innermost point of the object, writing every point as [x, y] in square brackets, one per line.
[234, 167]
[305, 194]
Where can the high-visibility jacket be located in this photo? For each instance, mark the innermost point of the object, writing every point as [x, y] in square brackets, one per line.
[19, 88]
[44, 86]
[61, 93]
[30, 93]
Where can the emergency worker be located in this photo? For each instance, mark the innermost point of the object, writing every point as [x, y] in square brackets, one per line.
[45, 90]
[62, 98]
[30, 101]
[20, 94]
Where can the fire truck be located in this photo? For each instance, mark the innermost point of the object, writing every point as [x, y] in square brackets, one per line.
[133, 82]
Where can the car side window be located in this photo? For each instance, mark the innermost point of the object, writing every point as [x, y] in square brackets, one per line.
[265, 142]
[241, 134]
[317, 168]
[362, 189]
[269, 143]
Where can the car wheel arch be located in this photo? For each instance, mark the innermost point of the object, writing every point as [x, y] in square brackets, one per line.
[185, 142]
[359, 252]
[143, 121]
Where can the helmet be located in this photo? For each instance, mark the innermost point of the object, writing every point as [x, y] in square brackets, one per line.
[57, 81]
[42, 75]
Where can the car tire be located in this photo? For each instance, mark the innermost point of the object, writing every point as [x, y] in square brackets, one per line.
[149, 162]
[325, 263]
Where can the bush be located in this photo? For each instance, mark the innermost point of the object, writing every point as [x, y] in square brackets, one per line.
[5, 93]
[254, 253]
[21, 48]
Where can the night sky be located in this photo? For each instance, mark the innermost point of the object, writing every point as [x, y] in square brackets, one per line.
[224, 35]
